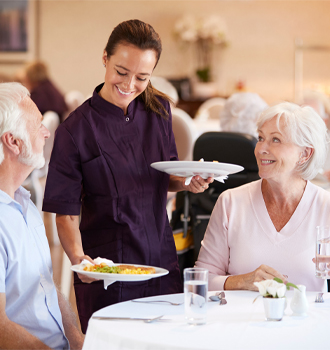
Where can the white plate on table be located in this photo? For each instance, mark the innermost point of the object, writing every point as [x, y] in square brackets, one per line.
[121, 277]
[192, 168]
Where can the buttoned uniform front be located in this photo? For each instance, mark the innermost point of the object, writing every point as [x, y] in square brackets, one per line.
[26, 275]
[100, 165]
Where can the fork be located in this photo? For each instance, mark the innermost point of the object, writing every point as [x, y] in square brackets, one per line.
[319, 298]
[156, 301]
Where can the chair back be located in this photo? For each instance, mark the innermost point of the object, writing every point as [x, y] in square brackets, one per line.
[73, 100]
[164, 86]
[229, 147]
[51, 121]
[224, 147]
[210, 109]
[184, 132]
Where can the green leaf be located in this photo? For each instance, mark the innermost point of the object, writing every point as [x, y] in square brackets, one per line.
[204, 74]
[278, 280]
[288, 285]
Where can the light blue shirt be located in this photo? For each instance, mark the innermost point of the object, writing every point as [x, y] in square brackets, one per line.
[26, 275]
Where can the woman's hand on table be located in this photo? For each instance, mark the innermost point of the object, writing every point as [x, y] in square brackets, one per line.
[246, 281]
[197, 184]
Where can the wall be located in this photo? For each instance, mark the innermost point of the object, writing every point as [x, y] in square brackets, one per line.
[261, 52]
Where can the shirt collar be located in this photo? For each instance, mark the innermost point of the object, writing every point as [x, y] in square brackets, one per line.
[103, 105]
[21, 201]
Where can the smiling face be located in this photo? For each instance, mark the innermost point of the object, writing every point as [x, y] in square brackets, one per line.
[128, 72]
[276, 155]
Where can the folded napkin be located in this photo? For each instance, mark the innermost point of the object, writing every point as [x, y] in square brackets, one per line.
[218, 178]
[98, 261]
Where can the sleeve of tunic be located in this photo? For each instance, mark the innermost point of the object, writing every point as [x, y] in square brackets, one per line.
[214, 253]
[64, 179]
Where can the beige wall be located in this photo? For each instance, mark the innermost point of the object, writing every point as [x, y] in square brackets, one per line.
[261, 33]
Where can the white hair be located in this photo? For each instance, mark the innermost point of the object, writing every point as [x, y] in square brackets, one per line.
[241, 111]
[305, 128]
[11, 95]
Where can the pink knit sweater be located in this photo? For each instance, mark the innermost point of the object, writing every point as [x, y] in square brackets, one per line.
[241, 236]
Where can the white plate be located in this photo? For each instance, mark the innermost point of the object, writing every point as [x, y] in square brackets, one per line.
[120, 277]
[192, 168]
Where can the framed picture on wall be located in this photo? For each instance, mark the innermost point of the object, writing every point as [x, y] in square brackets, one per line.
[17, 30]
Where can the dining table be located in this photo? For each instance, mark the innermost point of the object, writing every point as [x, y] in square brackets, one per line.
[239, 324]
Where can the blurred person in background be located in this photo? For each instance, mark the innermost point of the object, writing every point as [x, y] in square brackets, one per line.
[33, 313]
[240, 113]
[320, 102]
[5, 78]
[44, 93]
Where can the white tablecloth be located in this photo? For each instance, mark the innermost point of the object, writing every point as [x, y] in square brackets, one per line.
[238, 325]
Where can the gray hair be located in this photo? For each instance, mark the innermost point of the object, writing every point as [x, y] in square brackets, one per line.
[241, 111]
[305, 128]
[11, 95]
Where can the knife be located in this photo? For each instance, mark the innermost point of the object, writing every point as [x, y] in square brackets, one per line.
[147, 320]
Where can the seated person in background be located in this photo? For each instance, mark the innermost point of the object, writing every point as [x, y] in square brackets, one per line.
[5, 78]
[43, 92]
[241, 111]
[321, 103]
[33, 314]
[266, 229]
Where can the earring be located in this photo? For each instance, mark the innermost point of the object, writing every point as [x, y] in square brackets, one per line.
[103, 64]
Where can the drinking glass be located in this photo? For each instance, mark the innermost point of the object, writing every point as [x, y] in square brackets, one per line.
[322, 255]
[195, 295]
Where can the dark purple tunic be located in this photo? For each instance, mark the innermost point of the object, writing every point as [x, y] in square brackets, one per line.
[100, 164]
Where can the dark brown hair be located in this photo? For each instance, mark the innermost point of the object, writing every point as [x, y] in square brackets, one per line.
[144, 37]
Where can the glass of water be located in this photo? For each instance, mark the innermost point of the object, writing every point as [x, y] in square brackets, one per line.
[322, 256]
[195, 295]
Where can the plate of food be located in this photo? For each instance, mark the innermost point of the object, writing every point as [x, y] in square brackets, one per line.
[202, 168]
[118, 272]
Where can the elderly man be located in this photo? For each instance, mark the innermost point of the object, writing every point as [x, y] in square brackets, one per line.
[33, 314]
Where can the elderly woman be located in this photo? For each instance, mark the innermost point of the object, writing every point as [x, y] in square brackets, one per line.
[267, 228]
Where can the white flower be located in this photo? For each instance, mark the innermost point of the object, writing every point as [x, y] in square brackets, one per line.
[191, 29]
[186, 28]
[212, 28]
[271, 288]
[203, 34]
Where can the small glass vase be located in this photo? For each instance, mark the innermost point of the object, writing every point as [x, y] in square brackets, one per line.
[274, 308]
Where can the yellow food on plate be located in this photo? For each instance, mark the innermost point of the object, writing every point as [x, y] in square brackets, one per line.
[121, 269]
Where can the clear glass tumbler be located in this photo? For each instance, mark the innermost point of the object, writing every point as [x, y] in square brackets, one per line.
[195, 295]
[322, 256]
